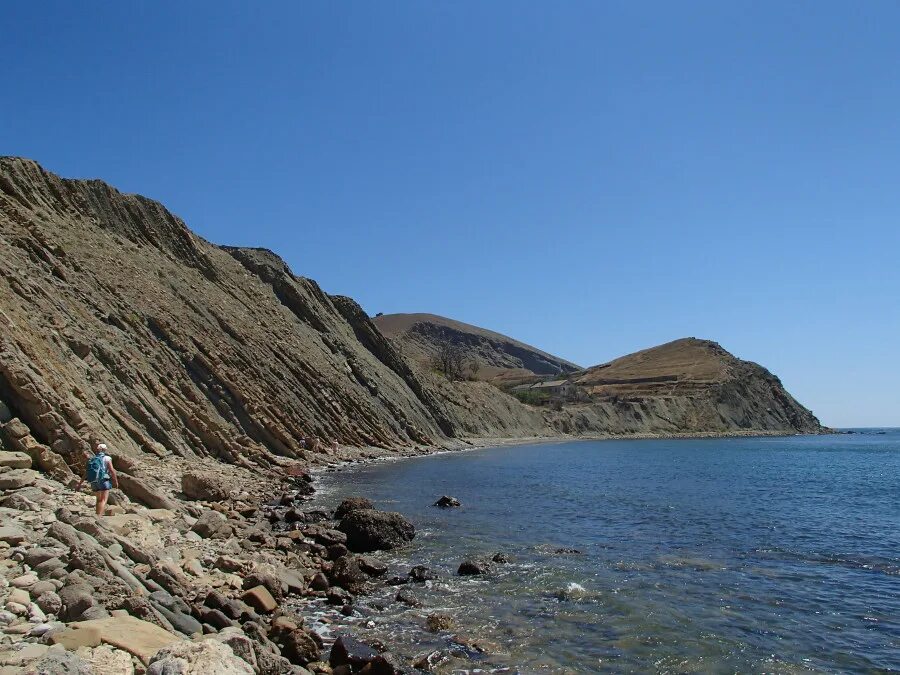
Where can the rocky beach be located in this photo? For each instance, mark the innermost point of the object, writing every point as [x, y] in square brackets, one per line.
[222, 381]
[208, 585]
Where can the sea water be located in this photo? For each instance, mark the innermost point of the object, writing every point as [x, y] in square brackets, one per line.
[712, 555]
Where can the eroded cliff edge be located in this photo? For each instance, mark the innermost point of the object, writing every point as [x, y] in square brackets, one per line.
[116, 321]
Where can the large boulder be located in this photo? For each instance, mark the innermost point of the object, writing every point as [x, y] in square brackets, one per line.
[349, 652]
[349, 574]
[204, 485]
[139, 490]
[13, 479]
[15, 460]
[300, 647]
[212, 525]
[351, 504]
[371, 530]
[198, 658]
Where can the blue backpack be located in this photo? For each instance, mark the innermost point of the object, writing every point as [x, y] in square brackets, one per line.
[96, 469]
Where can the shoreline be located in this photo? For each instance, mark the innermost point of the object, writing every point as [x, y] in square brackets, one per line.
[357, 456]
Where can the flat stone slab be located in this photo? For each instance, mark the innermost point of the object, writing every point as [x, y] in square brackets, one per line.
[16, 478]
[12, 535]
[139, 638]
[15, 460]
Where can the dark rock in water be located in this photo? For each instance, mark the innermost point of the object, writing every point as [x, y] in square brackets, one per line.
[397, 581]
[420, 574]
[430, 661]
[438, 622]
[447, 502]
[337, 551]
[370, 530]
[300, 647]
[348, 573]
[351, 504]
[387, 664]
[501, 558]
[371, 566]
[567, 551]
[338, 596]
[319, 582]
[407, 598]
[349, 652]
[473, 568]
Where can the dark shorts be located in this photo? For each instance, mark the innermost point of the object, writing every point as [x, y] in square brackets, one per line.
[101, 486]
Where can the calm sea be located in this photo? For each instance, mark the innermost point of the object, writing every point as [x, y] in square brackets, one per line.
[725, 555]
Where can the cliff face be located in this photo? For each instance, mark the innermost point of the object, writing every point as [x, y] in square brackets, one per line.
[500, 358]
[117, 322]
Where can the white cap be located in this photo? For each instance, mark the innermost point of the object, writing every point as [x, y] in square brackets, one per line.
[101, 446]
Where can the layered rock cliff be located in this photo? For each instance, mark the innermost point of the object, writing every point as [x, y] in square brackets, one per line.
[500, 358]
[117, 322]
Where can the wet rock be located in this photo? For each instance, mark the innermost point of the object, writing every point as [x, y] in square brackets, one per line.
[319, 582]
[501, 558]
[567, 551]
[407, 598]
[420, 574]
[473, 568]
[369, 530]
[438, 622]
[349, 652]
[397, 581]
[300, 647]
[372, 566]
[204, 656]
[447, 502]
[204, 485]
[338, 596]
[348, 573]
[351, 504]
[386, 664]
[337, 551]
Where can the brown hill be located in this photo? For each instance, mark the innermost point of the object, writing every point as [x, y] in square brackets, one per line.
[116, 321]
[692, 385]
[499, 357]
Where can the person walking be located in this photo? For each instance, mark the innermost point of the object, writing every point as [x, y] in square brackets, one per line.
[101, 475]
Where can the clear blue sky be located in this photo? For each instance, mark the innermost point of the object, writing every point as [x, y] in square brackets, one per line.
[591, 178]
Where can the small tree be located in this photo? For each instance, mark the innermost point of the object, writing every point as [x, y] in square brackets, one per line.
[474, 367]
[450, 361]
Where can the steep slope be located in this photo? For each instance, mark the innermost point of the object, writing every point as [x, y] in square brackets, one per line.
[500, 358]
[117, 322]
[685, 386]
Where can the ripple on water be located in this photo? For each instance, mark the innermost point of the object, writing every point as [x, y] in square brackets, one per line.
[696, 556]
